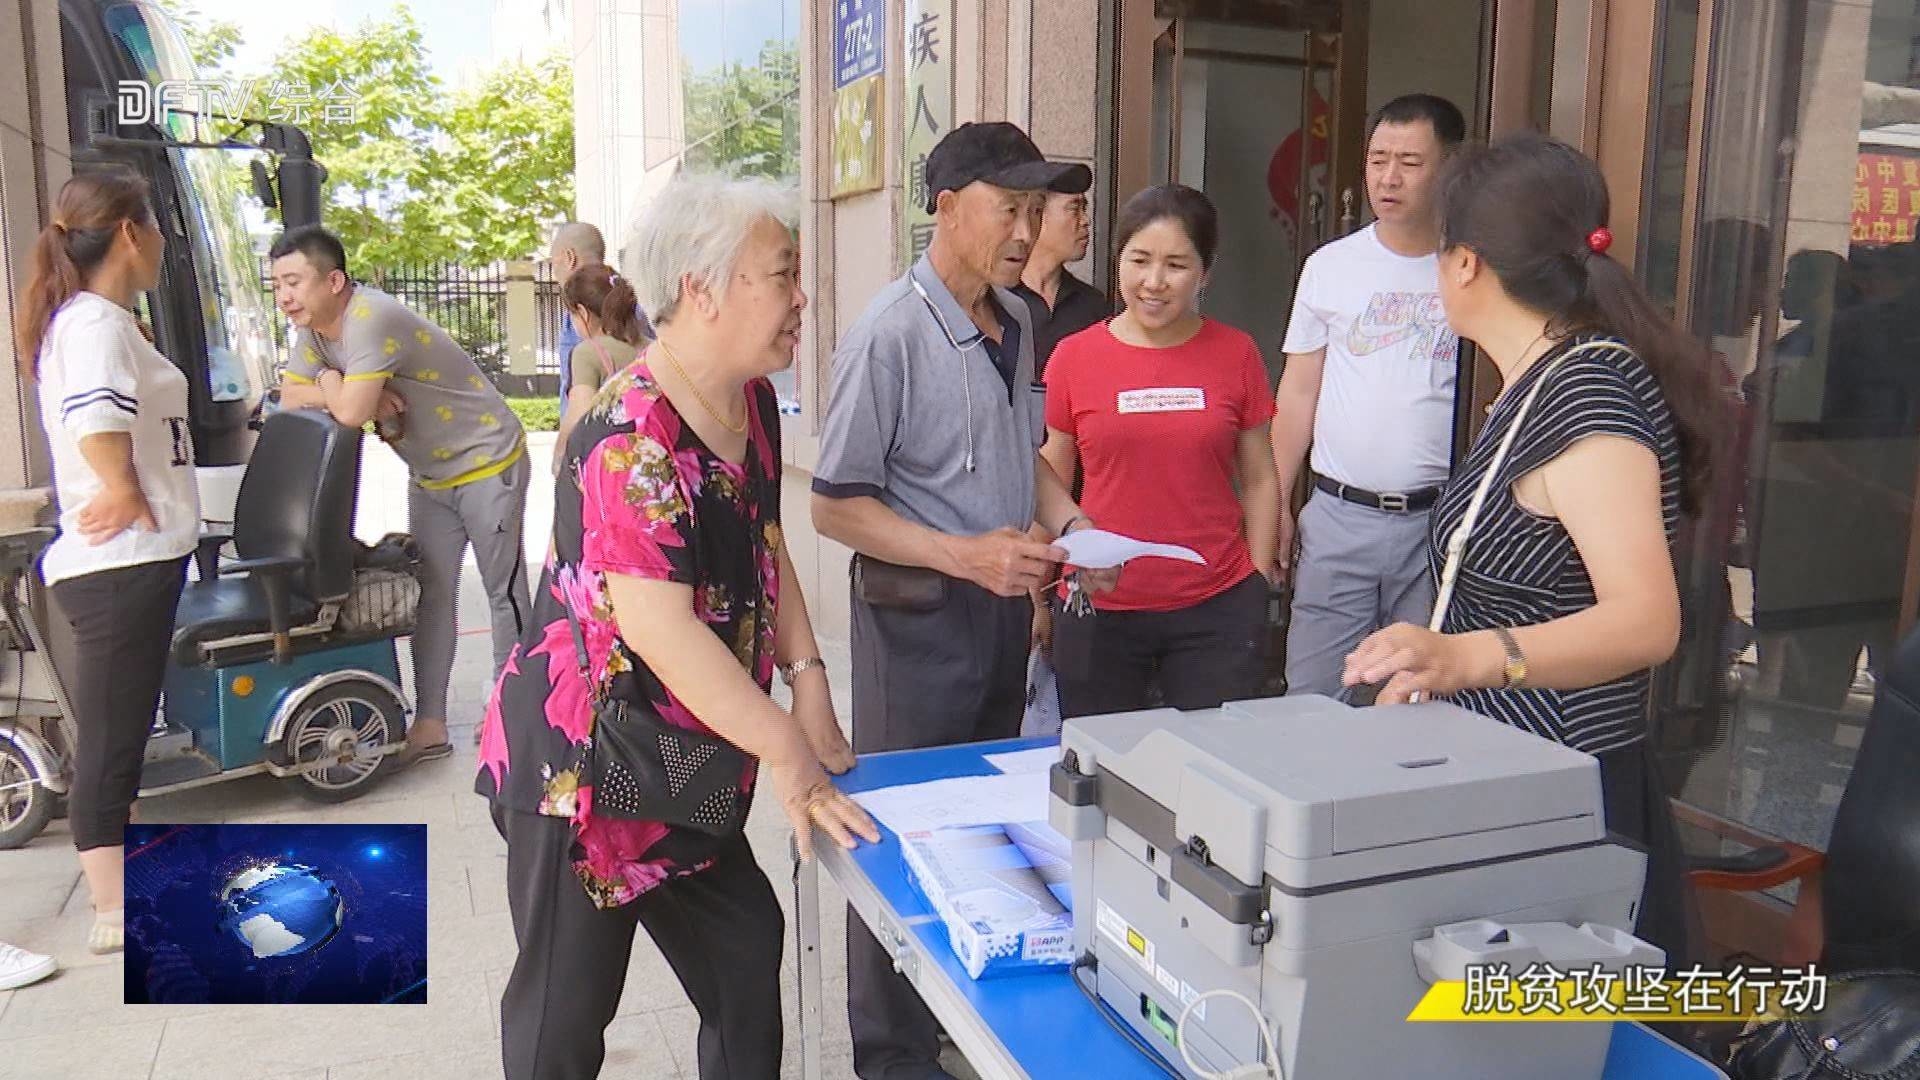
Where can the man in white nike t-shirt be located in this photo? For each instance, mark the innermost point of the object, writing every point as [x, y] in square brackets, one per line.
[1369, 384]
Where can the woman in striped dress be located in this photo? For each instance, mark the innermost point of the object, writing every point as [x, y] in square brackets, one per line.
[1566, 597]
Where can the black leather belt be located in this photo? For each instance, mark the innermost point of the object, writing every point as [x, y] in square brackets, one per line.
[1392, 502]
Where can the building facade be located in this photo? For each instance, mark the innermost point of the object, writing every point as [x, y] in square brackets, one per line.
[1764, 164]
[629, 117]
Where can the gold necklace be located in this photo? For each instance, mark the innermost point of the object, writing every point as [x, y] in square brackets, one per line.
[741, 429]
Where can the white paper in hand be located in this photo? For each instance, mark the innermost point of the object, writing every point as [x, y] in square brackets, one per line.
[1098, 549]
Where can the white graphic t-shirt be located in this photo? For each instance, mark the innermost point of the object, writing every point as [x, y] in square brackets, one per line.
[1385, 420]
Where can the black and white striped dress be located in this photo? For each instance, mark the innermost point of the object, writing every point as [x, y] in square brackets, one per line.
[1521, 569]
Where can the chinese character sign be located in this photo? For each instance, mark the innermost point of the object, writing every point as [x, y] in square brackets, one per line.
[1495, 992]
[858, 40]
[1886, 198]
[926, 111]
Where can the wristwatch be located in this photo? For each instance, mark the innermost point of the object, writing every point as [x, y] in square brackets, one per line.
[1514, 674]
[790, 672]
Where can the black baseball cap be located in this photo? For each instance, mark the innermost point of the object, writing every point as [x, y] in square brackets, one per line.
[1000, 154]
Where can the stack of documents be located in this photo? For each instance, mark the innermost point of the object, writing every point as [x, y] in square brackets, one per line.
[1001, 914]
[958, 801]
[1050, 855]
[980, 851]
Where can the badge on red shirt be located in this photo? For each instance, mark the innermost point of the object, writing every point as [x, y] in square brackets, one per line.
[1161, 399]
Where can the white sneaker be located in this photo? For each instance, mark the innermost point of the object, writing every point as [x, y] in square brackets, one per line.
[18, 967]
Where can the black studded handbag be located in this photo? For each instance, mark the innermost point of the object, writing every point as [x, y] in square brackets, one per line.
[1867, 1028]
[645, 769]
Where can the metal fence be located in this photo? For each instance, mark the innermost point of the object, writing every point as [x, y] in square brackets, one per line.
[548, 311]
[469, 303]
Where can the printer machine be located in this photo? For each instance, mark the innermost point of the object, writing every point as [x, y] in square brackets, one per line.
[1328, 863]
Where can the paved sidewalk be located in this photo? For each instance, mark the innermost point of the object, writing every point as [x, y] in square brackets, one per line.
[73, 1026]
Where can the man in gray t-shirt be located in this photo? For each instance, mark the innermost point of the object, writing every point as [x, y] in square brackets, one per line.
[362, 355]
[929, 470]
[454, 427]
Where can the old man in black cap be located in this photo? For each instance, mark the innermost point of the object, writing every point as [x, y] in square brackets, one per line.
[930, 471]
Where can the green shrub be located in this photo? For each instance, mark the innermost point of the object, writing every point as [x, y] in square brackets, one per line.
[536, 413]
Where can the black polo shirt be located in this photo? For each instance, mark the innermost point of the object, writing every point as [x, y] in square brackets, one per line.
[1077, 306]
[1005, 353]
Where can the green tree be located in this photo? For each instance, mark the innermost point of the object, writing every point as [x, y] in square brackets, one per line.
[509, 159]
[418, 175]
[386, 184]
[212, 42]
[745, 119]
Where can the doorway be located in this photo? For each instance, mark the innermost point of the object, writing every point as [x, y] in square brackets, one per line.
[1264, 107]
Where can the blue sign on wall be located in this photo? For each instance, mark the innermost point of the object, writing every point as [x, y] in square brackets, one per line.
[857, 40]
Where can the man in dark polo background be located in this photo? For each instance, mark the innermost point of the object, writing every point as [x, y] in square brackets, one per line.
[1060, 304]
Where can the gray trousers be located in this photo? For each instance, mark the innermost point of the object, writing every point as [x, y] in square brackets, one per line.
[489, 515]
[1359, 569]
[957, 674]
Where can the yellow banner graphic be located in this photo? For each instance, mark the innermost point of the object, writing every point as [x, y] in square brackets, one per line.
[1645, 995]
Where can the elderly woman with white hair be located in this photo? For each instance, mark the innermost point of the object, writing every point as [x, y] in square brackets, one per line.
[621, 747]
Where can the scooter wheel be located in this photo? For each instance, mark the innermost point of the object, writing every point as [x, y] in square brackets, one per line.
[347, 723]
[24, 811]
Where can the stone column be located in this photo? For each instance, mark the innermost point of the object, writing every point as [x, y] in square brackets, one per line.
[34, 162]
[521, 319]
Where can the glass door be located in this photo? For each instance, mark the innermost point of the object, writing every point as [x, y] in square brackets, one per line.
[1784, 201]
[1268, 169]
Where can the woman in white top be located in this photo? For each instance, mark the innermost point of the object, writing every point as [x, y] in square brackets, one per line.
[115, 414]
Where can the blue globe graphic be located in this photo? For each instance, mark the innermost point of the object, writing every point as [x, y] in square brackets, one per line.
[280, 909]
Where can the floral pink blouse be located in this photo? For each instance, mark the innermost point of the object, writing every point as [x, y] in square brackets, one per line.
[640, 495]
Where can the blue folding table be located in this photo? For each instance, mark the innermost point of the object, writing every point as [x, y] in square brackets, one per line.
[1023, 1026]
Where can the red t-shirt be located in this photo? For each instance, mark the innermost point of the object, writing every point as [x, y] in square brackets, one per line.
[1158, 433]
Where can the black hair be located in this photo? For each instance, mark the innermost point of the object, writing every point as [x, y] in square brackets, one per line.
[1443, 116]
[1734, 256]
[610, 298]
[322, 248]
[87, 215]
[1815, 277]
[1527, 205]
[1172, 202]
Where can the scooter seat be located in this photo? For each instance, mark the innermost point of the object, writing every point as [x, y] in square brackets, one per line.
[224, 608]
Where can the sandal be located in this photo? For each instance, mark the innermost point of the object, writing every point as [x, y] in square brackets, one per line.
[109, 933]
[425, 754]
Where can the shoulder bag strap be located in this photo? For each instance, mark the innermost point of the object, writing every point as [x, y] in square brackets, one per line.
[606, 361]
[580, 652]
[1457, 541]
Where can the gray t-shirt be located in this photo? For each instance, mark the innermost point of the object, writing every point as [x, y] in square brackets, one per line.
[598, 359]
[910, 400]
[458, 428]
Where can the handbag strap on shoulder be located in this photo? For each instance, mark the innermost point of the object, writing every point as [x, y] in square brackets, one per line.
[1457, 541]
[606, 361]
[580, 653]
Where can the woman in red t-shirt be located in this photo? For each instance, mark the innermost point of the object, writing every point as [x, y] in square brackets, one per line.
[1166, 412]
